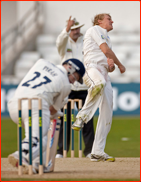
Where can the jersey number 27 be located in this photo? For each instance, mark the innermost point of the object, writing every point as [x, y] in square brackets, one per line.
[27, 83]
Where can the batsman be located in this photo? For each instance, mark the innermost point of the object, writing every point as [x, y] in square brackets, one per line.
[52, 84]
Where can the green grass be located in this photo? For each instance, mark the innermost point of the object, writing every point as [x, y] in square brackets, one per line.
[8, 137]
[124, 127]
[121, 127]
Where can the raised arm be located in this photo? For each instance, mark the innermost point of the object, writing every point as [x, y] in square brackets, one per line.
[62, 39]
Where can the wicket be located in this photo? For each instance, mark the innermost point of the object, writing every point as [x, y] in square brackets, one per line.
[72, 131]
[30, 133]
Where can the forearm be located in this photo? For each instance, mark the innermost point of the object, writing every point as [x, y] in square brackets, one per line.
[61, 42]
[110, 54]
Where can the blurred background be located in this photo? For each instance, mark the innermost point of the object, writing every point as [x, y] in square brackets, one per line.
[29, 30]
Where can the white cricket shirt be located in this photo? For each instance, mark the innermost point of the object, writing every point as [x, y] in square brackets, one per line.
[46, 81]
[93, 38]
[67, 49]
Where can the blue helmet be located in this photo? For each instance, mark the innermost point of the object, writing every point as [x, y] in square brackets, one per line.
[77, 66]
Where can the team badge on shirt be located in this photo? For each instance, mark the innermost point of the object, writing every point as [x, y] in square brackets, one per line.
[102, 37]
[69, 50]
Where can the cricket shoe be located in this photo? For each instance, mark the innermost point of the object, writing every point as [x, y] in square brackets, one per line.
[14, 160]
[59, 156]
[78, 124]
[49, 167]
[88, 155]
[105, 157]
[46, 169]
[35, 167]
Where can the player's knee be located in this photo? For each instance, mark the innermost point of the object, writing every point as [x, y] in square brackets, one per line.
[98, 88]
[102, 83]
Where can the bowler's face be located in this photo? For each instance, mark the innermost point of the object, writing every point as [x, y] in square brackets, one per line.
[107, 23]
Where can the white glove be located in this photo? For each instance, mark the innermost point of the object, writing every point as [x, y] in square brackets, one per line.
[56, 115]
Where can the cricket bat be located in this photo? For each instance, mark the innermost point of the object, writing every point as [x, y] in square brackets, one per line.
[53, 135]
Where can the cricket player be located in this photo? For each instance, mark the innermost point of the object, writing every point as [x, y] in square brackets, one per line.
[70, 45]
[98, 55]
[50, 83]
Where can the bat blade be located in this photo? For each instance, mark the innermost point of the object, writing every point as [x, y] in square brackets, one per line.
[53, 136]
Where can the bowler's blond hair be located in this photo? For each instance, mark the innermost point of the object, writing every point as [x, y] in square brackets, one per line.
[99, 17]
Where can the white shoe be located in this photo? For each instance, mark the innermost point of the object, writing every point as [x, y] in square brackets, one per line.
[88, 155]
[59, 156]
[48, 169]
[105, 157]
[14, 159]
[78, 124]
[35, 168]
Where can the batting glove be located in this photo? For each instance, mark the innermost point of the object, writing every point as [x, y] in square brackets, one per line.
[56, 115]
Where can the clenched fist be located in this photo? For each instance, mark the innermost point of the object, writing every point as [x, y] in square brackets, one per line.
[111, 64]
[121, 68]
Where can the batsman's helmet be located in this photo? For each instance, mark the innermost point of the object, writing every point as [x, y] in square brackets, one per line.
[76, 66]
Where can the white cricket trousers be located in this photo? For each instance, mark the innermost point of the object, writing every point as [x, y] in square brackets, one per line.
[100, 95]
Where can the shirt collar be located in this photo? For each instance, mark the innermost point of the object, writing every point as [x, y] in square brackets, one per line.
[62, 69]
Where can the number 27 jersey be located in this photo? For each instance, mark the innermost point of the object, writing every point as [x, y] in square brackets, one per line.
[45, 80]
